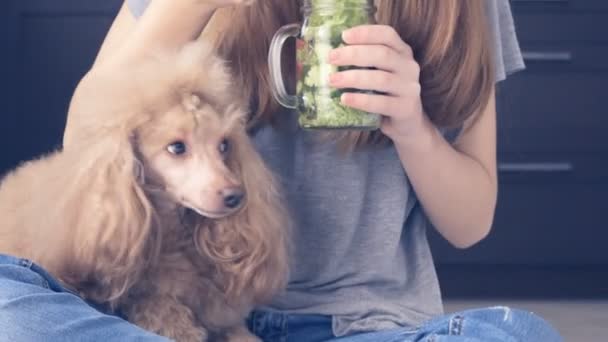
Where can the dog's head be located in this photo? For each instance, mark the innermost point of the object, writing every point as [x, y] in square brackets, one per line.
[178, 116]
[189, 152]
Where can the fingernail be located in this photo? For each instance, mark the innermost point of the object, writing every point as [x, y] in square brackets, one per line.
[344, 98]
[347, 35]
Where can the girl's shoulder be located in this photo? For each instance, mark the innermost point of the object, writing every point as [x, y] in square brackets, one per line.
[138, 7]
[507, 53]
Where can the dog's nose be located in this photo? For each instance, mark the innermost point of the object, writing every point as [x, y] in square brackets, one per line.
[233, 197]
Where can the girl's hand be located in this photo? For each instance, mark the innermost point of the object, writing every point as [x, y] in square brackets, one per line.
[396, 76]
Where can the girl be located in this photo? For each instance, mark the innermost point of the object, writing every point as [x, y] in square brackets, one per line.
[362, 268]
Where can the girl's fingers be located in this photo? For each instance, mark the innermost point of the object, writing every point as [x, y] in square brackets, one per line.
[377, 35]
[377, 56]
[376, 80]
[380, 104]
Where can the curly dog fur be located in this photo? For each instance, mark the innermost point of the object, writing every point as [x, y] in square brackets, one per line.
[113, 216]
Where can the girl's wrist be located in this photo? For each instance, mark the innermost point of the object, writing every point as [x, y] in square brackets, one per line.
[420, 140]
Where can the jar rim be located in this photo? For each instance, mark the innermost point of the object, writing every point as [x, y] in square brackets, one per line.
[307, 6]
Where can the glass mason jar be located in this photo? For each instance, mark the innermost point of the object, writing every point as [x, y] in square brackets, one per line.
[318, 105]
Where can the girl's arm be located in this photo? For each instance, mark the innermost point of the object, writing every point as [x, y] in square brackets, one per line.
[457, 185]
[166, 24]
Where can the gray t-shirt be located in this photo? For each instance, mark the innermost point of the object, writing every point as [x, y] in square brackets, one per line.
[361, 253]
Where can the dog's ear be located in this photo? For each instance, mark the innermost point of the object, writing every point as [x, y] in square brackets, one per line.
[250, 248]
[113, 221]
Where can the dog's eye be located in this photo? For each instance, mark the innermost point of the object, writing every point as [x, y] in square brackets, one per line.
[224, 146]
[177, 148]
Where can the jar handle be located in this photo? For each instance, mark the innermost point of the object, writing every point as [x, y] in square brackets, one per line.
[277, 85]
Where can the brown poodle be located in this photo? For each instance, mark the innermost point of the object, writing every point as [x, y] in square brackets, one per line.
[159, 208]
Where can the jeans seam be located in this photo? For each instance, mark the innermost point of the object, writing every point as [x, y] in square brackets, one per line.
[284, 328]
[455, 327]
[27, 263]
[251, 322]
[260, 322]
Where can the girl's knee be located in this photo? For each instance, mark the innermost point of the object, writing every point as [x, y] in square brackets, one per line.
[16, 277]
[509, 315]
[18, 285]
[520, 325]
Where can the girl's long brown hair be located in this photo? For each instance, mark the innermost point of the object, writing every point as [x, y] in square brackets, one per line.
[449, 38]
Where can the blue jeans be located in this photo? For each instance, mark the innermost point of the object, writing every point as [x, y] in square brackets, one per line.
[499, 324]
[34, 307]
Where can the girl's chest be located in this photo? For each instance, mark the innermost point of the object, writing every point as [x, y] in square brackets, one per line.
[305, 164]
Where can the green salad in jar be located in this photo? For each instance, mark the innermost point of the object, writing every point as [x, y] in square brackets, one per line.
[321, 106]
